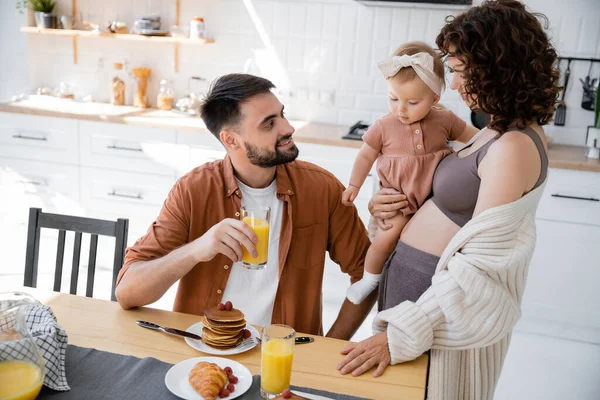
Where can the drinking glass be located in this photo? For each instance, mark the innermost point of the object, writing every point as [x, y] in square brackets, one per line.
[259, 220]
[277, 354]
[21, 363]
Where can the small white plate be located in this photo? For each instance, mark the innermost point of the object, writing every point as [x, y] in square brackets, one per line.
[203, 347]
[177, 378]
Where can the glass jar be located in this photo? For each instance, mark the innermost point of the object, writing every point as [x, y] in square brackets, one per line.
[166, 96]
[21, 363]
[117, 86]
[141, 76]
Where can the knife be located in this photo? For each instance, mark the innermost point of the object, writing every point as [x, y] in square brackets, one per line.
[172, 331]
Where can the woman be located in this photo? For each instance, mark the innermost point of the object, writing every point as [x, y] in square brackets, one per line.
[477, 232]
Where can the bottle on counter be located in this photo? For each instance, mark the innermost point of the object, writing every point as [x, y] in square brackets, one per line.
[117, 86]
[166, 96]
[197, 28]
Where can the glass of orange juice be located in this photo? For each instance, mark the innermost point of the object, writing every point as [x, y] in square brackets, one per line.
[258, 220]
[21, 363]
[277, 353]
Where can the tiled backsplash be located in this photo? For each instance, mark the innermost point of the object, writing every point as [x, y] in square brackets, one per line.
[320, 53]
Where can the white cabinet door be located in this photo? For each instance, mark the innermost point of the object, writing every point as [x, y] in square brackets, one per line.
[571, 196]
[39, 138]
[128, 148]
[111, 194]
[24, 183]
[198, 148]
[562, 285]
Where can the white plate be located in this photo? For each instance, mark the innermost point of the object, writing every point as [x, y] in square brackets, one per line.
[203, 347]
[177, 377]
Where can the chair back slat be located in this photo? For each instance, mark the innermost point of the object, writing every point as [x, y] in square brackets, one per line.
[33, 247]
[60, 254]
[120, 245]
[89, 291]
[75, 266]
[95, 227]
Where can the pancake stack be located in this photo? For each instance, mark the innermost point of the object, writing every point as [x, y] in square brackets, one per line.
[223, 329]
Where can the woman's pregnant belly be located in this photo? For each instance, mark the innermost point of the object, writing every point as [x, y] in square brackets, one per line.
[429, 230]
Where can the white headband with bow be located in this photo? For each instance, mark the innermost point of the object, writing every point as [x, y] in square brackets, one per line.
[421, 63]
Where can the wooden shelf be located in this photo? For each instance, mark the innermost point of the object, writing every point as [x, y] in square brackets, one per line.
[118, 36]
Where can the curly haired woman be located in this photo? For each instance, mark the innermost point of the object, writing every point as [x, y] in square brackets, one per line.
[454, 283]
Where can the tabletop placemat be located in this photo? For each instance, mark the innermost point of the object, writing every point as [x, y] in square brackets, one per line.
[100, 375]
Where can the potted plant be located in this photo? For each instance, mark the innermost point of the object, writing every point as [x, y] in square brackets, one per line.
[43, 13]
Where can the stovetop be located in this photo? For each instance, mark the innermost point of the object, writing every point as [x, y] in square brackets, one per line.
[356, 131]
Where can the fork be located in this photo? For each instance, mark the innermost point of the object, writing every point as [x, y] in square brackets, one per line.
[248, 343]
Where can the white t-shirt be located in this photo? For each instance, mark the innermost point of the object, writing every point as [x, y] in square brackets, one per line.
[253, 291]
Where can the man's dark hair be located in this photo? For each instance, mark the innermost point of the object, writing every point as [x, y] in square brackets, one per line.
[221, 106]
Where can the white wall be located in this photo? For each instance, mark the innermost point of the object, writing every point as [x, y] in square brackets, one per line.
[323, 52]
[13, 51]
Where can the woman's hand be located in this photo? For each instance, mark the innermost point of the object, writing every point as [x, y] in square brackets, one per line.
[386, 204]
[361, 357]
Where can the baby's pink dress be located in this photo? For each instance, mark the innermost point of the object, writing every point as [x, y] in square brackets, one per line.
[409, 154]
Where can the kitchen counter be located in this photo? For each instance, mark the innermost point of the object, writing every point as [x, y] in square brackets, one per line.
[560, 156]
[306, 132]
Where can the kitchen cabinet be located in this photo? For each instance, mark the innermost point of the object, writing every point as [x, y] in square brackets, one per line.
[571, 196]
[128, 148]
[561, 297]
[39, 138]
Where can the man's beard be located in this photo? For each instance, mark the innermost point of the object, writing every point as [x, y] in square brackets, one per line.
[266, 158]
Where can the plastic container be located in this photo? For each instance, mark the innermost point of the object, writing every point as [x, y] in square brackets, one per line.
[197, 30]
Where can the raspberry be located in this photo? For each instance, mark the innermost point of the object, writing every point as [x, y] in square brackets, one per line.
[231, 388]
[224, 393]
[233, 378]
[220, 306]
[246, 333]
[228, 370]
[228, 306]
[286, 394]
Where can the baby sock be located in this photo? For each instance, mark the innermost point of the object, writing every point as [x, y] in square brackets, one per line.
[361, 289]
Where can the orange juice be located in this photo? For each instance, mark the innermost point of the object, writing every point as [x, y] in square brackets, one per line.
[19, 380]
[261, 228]
[276, 366]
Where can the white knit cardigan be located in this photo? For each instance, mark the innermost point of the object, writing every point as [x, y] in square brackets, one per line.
[467, 315]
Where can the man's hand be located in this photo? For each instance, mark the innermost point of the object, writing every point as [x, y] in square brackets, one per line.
[349, 195]
[227, 238]
[386, 204]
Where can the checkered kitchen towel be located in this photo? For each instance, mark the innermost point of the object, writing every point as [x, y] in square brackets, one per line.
[50, 338]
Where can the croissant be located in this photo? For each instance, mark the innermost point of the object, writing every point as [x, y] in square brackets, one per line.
[208, 379]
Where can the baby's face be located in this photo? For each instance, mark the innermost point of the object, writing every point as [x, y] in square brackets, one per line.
[410, 101]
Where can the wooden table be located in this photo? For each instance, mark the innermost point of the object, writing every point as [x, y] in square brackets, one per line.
[104, 325]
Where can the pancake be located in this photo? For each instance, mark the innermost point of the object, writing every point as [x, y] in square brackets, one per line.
[220, 316]
[217, 337]
[223, 329]
[225, 325]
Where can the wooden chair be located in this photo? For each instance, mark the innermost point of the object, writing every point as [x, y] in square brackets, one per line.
[95, 227]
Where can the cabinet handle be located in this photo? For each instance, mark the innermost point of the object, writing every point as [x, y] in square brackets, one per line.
[113, 147]
[562, 196]
[114, 193]
[25, 137]
[369, 175]
[34, 183]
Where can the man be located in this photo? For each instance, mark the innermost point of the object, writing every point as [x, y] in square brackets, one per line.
[198, 237]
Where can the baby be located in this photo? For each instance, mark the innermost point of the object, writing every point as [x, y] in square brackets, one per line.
[408, 143]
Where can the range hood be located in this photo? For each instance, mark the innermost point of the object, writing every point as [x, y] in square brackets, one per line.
[418, 3]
